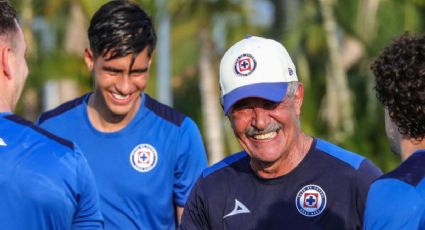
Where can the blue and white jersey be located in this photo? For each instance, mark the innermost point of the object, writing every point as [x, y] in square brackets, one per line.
[45, 181]
[397, 199]
[327, 190]
[143, 170]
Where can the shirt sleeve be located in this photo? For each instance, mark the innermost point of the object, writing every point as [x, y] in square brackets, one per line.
[393, 204]
[366, 174]
[194, 215]
[88, 215]
[190, 162]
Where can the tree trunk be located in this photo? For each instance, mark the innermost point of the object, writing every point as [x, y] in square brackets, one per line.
[163, 90]
[285, 17]
[367, 12]
[75, 34]
[29, 96]
[208, 84]
[337, 108]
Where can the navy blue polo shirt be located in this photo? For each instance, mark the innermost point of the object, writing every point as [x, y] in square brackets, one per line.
[327, 190]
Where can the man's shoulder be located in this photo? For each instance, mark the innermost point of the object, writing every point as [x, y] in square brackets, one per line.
[164, 111]
[37, 134]
[411, 171]
[395, 203]
[61, 109]
[353, 159]
[226, 164]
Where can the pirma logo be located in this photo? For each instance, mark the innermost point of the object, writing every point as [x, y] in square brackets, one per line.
[238, 209]
[2, 143]
[144, 157]
[311, 200]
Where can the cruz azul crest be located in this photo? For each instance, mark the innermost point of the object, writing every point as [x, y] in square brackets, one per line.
[245, 65]
[311, 200]
[143, 158]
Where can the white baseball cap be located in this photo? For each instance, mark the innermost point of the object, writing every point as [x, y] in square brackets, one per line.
[255, 67]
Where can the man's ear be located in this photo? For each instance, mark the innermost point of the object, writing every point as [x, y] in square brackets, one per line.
[299, 97]
[89, 58]
[6, 55]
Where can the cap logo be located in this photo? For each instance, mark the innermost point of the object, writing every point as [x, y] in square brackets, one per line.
[245, 65]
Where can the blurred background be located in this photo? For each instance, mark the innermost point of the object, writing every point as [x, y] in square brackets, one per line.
[331, 42]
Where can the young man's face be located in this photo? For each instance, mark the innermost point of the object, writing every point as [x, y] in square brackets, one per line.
[118, 84]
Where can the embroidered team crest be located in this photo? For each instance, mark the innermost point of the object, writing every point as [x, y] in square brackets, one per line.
[144, 157]
[311, 200]
[245, 65]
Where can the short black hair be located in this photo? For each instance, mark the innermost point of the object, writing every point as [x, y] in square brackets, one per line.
[7, 18]
[120, 28]
[400, 83]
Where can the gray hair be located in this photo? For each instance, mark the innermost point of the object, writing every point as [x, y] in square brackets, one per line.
[292, 89]
[290, 93]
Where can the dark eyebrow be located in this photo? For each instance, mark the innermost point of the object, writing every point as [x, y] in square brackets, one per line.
[111, 69]
[139, 70]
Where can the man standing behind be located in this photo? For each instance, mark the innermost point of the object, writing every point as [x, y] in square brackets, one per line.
[45, 182]
[396, 200]
[145, 156]
[284, 179]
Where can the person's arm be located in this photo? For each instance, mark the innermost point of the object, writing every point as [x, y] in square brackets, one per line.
[366, 175]
[88, 215]
[393, 204]
[194, 215]
[191, 161]
[179, 212]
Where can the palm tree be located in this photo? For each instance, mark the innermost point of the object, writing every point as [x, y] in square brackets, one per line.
[338, 104]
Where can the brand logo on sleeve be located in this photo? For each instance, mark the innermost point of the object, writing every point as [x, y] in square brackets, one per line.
[2, 143]
[144, 158]
[311, 200]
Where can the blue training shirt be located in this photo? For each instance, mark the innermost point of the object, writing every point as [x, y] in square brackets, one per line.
[397, 199]
[327, 190]
[143, 170]
[45, 182]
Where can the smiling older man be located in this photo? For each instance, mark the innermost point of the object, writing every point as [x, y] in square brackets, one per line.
[283, 178]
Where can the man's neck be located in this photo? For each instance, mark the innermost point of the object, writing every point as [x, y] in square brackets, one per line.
[4, 105]
[102, 119]
[287, 163]
[409, 146]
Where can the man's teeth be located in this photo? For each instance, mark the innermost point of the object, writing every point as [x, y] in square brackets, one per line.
[265, 136]
[120, 97]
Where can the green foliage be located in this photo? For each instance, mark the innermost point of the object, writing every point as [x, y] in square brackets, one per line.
[58, 65]
[305, 41]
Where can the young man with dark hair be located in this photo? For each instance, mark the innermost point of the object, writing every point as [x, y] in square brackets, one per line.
[396, 200]
[145, 155]
[45, 182]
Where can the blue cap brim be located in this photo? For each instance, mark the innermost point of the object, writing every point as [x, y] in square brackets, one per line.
[274, 91]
